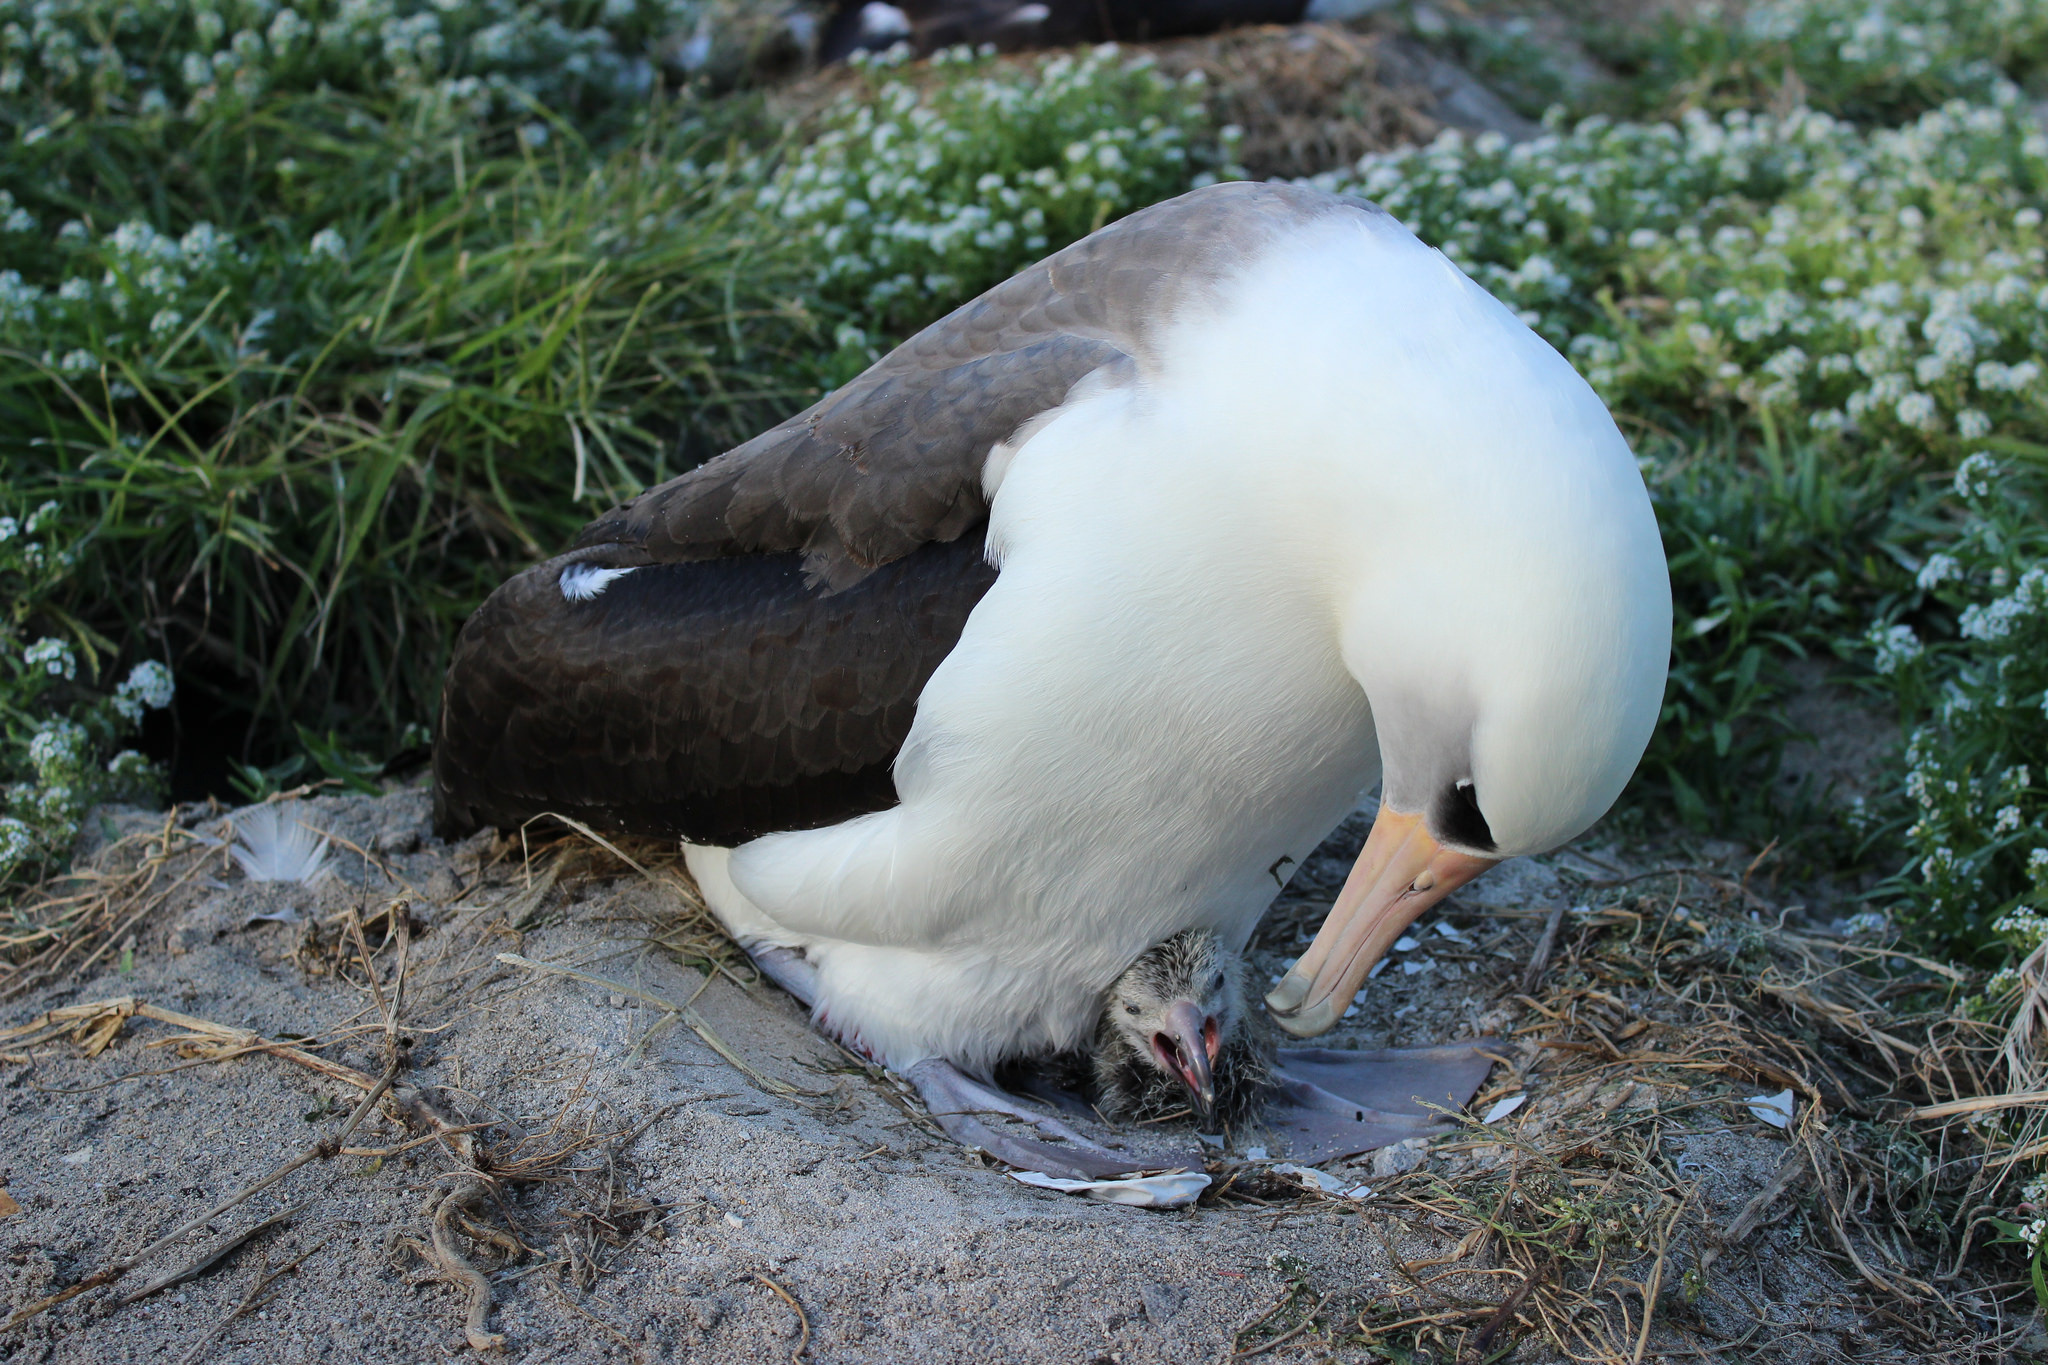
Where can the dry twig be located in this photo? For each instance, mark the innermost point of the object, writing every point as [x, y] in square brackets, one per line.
[803, 1320]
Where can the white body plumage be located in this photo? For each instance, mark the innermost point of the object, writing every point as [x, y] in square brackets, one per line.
[1353, 489]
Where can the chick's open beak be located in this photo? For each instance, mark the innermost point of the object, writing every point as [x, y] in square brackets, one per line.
[1185, 1046]
[1401, 872]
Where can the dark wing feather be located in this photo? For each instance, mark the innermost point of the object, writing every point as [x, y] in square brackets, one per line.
[759, 669]
[716, 701]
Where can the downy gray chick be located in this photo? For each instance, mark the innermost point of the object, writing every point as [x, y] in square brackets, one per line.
[1176, 1034]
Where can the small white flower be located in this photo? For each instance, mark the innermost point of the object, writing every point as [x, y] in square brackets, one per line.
[59, 746]
[1974, 475]
[327, 244]
[1895, 647]
[1917, 410]
[17, 843]
[2008, 821]
[148, 687]
[1938, 569]
[53, 656]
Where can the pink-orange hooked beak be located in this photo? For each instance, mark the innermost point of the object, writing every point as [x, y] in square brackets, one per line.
[1402, 871]
[1185, 1048]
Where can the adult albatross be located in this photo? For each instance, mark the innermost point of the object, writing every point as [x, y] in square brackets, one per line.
[1081, 614]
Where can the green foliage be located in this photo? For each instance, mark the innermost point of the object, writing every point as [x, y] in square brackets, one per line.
[308, 456]
[1979, 687]
[1878, 60]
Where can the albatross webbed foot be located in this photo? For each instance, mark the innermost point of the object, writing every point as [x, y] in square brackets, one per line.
[789, 969]
[1332, 1103]
[962, 1105]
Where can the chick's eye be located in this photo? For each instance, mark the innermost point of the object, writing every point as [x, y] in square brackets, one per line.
[1130, 1009]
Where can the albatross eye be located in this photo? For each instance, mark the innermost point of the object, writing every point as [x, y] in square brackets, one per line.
[1217, 984]
[1131, 1009]
[1458, 817]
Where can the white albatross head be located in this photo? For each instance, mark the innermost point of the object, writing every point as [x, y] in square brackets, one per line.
[1507, 607]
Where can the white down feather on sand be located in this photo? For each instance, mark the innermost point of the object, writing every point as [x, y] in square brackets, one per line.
[273, 843]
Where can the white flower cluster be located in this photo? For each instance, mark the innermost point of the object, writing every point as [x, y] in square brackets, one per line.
[18, 845]
[1894, 647]
[1975, 475]
[148, 687]
[58, 750]
[1996, 619]
[2024, 926]
[918, 197]
[52, 656]
[163, 58]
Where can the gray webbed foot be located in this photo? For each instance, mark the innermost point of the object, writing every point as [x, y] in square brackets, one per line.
[963, 1107]
[787, 968]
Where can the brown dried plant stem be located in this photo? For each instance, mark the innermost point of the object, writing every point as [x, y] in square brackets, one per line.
[803, 1320]
[264, 1279]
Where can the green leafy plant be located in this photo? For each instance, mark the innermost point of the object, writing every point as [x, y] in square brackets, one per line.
[58, 732]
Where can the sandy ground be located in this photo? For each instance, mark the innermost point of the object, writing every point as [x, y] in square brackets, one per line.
[656, 1189]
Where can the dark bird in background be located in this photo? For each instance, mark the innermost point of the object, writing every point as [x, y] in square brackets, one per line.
[1176, 1033]
[928, 25]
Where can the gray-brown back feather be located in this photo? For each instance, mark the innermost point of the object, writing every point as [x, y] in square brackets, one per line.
[894, 459]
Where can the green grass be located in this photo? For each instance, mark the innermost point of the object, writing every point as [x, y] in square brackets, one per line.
[511, 345]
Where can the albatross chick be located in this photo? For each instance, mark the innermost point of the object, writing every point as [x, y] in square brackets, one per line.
[1176, 1034]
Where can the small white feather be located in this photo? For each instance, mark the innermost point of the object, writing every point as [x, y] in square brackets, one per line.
[1502, 1108]
[273, 843]
[1775, 1110]
[583, 582]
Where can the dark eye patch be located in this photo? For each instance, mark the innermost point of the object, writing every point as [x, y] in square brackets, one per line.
[1458, 818]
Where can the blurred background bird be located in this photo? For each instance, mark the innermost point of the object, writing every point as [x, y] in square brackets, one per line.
[928, 25]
